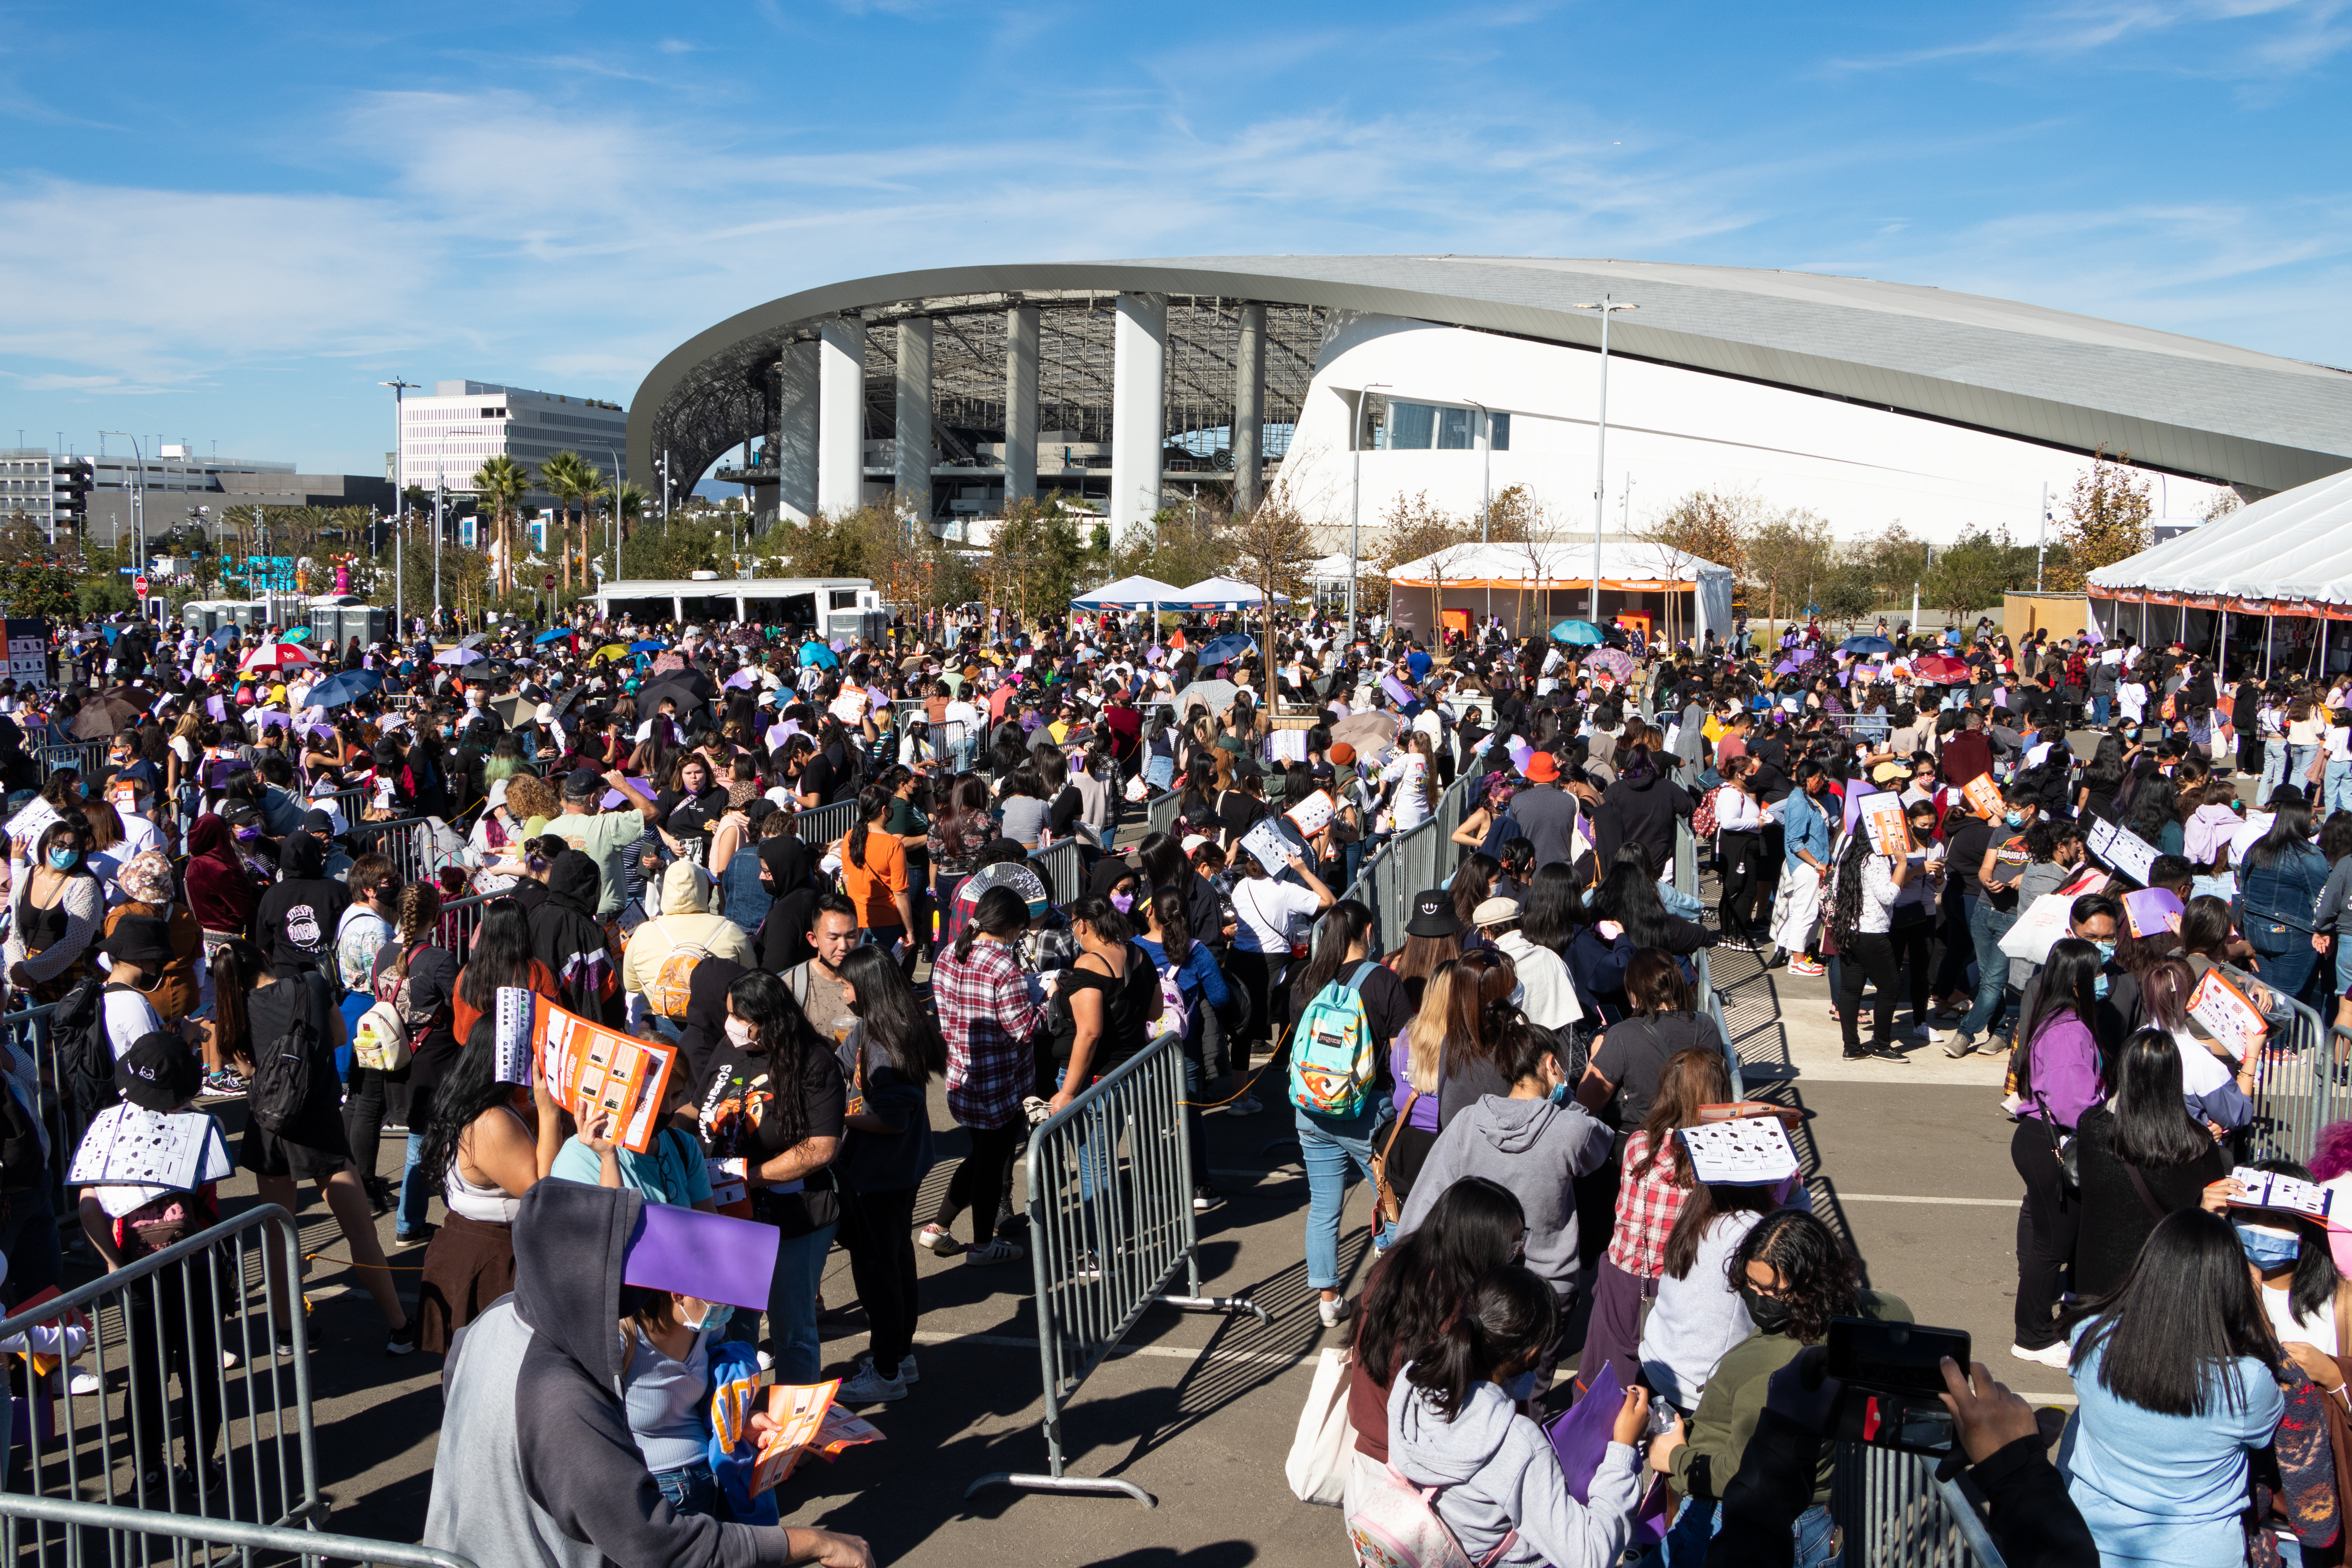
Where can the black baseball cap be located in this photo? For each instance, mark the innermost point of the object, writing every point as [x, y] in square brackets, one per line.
[157, 1072]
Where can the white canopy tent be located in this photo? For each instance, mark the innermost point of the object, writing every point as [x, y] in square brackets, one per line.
[2271, 578]
[1220, 594]
[1127, 594]
[1538, 584]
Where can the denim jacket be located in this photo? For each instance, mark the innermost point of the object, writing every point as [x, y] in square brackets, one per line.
[2277, 904]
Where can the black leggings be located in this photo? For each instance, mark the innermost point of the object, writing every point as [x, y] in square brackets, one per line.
[1739, 861]
[1916, 955]
[2048, 1221]
[1869, 954]
[373, 1094]
[1255, 971]
[983, 1182]
[878, 1229]
[182, 1305]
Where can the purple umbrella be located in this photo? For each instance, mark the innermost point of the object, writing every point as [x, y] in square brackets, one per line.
[1616, 660]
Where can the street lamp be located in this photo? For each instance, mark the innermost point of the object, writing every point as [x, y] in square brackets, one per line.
[1486, 483]
[1607, 308]
[138, 500]
[399, 499]
[1356, 496]
[614, 520]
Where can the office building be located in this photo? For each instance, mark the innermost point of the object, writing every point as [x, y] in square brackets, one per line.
[446, 437]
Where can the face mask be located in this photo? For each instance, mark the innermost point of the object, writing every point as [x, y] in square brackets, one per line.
[2099, 986]
[1521, 1388]
[2107, 949]
[2266, 1250]
[739, 1032]
[1559, 1094]
[1769, 1313]
[713, 1318]
[2015, 819]
[1122, 902]
[63, 859]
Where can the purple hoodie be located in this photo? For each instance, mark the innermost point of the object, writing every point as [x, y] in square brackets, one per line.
[2065, 1070]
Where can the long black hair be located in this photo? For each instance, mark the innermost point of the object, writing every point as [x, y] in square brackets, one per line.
[1342, 927]
[2069, 984]
[1477, 1225]
[1629, 895]
[2315, 1275]
[2169, 1336]
[1163, 859]
[1001, 913]
[1702, 1206]
[501, 955]
[468, 1089]
[1554, 910]
[780, 1033]
[873, 801]
[1504, 1318]
[2290, 830]
[2153, 1127]
[897, 1024]
[1845, 916]
[1167, 910]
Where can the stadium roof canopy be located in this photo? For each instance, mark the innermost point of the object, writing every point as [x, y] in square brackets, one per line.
[2178, 403]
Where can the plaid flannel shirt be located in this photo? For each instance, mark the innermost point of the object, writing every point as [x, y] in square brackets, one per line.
[1646, 1208]
[988, 1020]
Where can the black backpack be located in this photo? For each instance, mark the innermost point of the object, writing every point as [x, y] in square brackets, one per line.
[281, 1069]
[84, 1049]
[21, 1164]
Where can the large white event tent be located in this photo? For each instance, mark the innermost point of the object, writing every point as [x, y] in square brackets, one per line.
[1127, 594]
[2271, 579]
[1220, 594]
[1664, 590]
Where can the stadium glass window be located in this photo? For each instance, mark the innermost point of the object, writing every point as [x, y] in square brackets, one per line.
[1499, 431]
[1456, 430]
[1409, 426]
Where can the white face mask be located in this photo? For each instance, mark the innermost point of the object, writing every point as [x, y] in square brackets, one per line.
[739, 1031]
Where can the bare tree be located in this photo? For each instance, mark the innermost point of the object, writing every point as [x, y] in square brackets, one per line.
[1275, 545]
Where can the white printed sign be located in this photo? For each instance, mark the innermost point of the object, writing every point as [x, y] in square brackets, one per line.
[1750, 1152]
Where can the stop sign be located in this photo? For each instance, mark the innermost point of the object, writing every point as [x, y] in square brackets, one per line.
[549, 582]
[139, 586]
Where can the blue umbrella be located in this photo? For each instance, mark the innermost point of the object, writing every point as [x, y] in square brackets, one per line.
[1583, 633]
[648, 646]
[556, 636]
[1865, 646]
[350, 684]
[1225, 649]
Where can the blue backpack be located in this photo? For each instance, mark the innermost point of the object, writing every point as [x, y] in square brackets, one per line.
[1334, 1058]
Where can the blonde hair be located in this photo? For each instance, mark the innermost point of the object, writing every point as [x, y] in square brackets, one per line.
[1425, 1036]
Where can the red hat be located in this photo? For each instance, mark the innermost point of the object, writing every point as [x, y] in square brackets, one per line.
[1539, 768]
[1342, 754]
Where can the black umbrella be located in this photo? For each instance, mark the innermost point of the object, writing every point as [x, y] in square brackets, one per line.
[674, 686]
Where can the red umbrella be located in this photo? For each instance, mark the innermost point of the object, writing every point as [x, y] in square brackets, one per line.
[275, 656]
[1942, 668]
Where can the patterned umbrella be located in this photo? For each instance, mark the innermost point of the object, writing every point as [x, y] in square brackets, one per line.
[1616, 660]
[275, 656]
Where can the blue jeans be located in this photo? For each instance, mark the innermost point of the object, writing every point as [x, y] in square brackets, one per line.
[2274, 770]
[1328, 1145]
[415, 1203]
[2099, 702]
[2335, 787]
[1986, 926]
[792, 1337]
[1686, 1544]
[689, 1490]
[2298, 770]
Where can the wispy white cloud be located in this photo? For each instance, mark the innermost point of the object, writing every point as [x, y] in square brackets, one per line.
[2239, 38]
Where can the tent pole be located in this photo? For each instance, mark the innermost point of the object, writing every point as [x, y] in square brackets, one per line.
[2269, 624]
[2222, 655]
[2143, 620]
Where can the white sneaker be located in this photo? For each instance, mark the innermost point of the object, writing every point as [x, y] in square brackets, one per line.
[1333, 1311]
[2048, 1355]
[997, 1251]
[868, 1389]
[85, 1384]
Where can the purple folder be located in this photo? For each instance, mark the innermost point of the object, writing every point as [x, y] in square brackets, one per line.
[1580, 1436]
[1856, 791]
[713, 1255]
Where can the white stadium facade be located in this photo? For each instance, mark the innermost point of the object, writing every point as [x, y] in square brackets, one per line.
[1357, 380]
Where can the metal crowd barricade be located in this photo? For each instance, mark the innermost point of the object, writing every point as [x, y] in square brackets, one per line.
[1111, 1227]
[1063, 869]
[2298, 1089]
[118, 1537]
[1897, 1514]
[461, 922]
[823, 824]
[199, 1310]
[409, 844]
[1685, 858]
[1160, 812]
[85, 757]
[32, 1039]
[351, 803]
[1710, 1004]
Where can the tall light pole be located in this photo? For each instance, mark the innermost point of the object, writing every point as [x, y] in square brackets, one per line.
[2042, 540]
[616, 509]
[440, 498]
[1486, 484]
[1607, 308]
[1356, 497]
[138, 500]
[399, 501]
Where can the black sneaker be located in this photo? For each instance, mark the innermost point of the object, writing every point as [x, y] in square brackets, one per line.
[403, 1340]
[1206, 1197]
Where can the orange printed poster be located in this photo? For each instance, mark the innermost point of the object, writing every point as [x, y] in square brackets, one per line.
[1884, 818]
[798, 1411]
[590, 1068]
[1984, 797]
[2233, 1020]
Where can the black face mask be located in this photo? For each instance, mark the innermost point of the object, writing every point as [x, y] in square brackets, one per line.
[1769, 1313]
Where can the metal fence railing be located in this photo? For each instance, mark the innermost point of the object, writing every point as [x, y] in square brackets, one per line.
[119, 1537]
[33, 1043]
[1897, 1514]
[85, 757]
[199, 1311]
[1418, 859]
[1110, 1229]
[417, 846]
[1063, 867]
[461, 922]
[820, 825]
[2297, 1090]
[1160, 812]
[1710, 1004]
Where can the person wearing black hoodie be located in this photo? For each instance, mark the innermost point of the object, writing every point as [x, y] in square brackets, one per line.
[1648, 805]
[537, 1463]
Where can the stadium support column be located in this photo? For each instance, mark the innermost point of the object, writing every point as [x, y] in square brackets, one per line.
[796, 413]
[841, 416]
[913, 416]
[1249, 409]
[1139, 410]
[1020, 403]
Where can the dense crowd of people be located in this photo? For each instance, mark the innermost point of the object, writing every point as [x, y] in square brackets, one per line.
[273, 845]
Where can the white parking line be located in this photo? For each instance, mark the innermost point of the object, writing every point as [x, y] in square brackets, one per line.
[1844, 1197]
[1172, 1352]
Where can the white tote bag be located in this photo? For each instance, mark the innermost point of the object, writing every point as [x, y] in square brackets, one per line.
[1316, 1466]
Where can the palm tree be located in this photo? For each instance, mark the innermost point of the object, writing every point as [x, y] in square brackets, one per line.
[593, 488]
[561, 476]
[502, 482]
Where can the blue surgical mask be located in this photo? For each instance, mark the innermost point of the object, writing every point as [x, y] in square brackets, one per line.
[1558, 1095]
[63, 856]
[1522, 1388]
[2267, 1251]
[2107, 949]
[714, 1320]
[2015, 819]
[2099, 985]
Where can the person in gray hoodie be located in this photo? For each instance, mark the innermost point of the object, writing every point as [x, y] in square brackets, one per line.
[1454, 1425]
[1523, 1140]
[537, 1467]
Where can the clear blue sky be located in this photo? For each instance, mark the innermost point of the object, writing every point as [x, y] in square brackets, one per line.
[228, 223]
